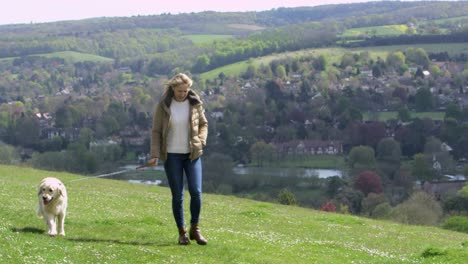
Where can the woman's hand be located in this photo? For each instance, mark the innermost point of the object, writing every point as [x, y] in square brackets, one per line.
[153, 162]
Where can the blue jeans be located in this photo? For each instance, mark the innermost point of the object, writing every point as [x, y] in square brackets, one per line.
[175, 166]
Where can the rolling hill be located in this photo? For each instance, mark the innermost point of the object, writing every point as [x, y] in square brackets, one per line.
[111, 221]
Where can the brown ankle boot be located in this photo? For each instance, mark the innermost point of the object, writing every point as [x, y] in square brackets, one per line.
[183, 239]
[196, 234]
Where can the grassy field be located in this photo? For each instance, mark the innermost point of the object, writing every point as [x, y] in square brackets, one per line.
[384, 116]
[201, 39]
[387, 30]
[315, 162]
[73, 56]
[333, 55]
[70, 57]
[111, 221]
[452, 19]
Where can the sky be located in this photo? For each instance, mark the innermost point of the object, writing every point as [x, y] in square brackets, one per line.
[38, 11]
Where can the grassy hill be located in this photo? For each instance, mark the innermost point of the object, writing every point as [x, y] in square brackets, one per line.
[111, 221]
[333, 55]
[70, 57]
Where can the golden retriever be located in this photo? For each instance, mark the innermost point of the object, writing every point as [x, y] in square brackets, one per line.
[52, 196]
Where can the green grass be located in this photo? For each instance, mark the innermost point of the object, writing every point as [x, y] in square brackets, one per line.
[387, 30]
[202, 39]
[333, 55]
[70, 57]
[73, 56]
[452, 19]
[111, 221]
[382, 51]
[316, 162]
[384, 116]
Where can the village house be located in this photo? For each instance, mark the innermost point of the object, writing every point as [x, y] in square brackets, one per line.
[309, 147]
[70, 134]
[439, 188]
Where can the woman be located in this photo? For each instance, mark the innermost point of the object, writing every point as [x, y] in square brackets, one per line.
[178, 137]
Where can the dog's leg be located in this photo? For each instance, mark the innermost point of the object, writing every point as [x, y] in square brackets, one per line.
[61, 224]
[50, 221]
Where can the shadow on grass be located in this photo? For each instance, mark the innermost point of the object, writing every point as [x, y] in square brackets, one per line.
[116, 241]
[27, 230]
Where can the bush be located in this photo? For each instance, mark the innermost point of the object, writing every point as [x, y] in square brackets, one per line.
[371, 201]
[286, 197]
[456, 223]
[382, 211]
[328, 207]
[458, 204]
[8, 154]
[419, 209]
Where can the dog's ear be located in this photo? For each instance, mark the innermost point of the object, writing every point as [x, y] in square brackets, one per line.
[60, 189]
[39, 189]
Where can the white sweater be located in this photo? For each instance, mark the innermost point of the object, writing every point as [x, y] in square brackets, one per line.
[178, 137]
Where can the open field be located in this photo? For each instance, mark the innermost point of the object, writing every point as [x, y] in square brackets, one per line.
[387, 30]
[111, 221]
[202, 39]
[70, 56]
[384, 116]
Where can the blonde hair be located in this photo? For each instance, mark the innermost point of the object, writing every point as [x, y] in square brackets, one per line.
[179, 79]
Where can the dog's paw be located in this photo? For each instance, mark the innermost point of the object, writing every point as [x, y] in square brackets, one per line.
[62, 234]
[52, 234]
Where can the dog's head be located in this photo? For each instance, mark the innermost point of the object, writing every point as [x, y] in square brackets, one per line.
[51, 189]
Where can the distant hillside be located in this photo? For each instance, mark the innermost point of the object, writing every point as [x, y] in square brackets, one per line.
[112, 221]
[199, 42]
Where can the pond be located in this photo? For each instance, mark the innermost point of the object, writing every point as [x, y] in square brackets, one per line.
[288, 172]
[147, 175]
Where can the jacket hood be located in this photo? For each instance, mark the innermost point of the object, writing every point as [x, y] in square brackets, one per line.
[194, 98]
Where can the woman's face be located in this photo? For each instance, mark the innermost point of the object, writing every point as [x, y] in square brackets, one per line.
[180, 92]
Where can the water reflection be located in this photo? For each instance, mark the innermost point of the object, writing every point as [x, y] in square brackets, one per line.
[288, 172]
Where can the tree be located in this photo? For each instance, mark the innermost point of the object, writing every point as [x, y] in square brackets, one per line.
[396, 59]
[372, 201]
[280, 71]
[417, 56]
[64, 117]
[201, 63]
[413, 137]
[453, 111]
[388, 156]
[376, 71]
[262, 152]
[368, 182]
[421, 168]
[361, 158]
[286, 197]
[320, 64]
[27, 131]
[404, 114]
[8, 154]
[388, 149]
[334, 184]
[250, 72]
[424, 100]
[351, 198]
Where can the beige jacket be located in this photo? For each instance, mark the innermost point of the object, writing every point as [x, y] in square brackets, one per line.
[198, 127]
